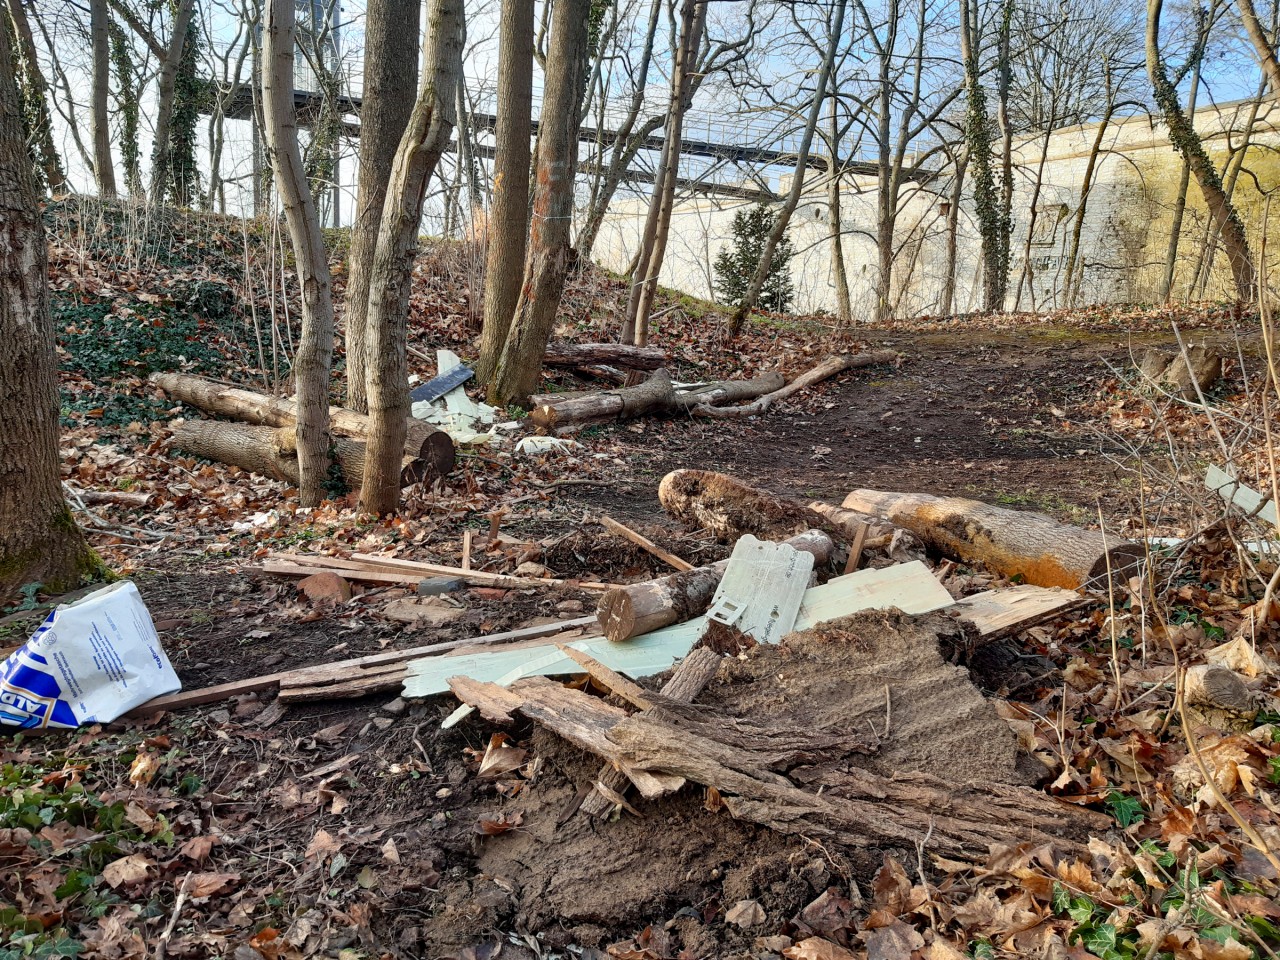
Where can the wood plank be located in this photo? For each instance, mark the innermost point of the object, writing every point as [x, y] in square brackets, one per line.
[859, 543]
[998, 613]
[610, 679]
[1246, 498]
[613, 526]
[479, 576]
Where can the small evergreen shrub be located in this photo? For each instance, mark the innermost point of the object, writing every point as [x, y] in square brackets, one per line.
[736, 265]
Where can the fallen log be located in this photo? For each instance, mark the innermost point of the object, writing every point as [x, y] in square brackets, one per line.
[272, 451]
[123, 498]
[422, 440]
[826, 369]
[614, 354]
[628, 611]
[1012, 543]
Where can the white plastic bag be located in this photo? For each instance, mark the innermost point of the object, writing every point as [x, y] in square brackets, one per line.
[89, 662]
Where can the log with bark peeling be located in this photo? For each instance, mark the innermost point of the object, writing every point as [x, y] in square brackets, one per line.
[637, 608]
[272, 451]
[614, 354]
[422, 440]
[1013, 543]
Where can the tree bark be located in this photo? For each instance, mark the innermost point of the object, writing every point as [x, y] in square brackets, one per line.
[390, 70]
[509, 214]
[947, 299]
[314, 356]
[1261, 44]
[104, 171]
[978, 140]
[1184, 178]
[162, 149]
[840, 276]
[1185, 140]
[783, 219]
[425, 138]
[48, 150]
[626, 612]
[258, 408]
[273, 452]
[550, 255]
[1011, 543]
[39, 540]
[617, 354]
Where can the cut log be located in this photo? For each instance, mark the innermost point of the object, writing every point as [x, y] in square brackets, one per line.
[272, 451]
[1183, 376]
[689, 679]
[422, 440]
[614, 354]
[730, 391]
[638, 608]
[1012, 543]
[826, 369]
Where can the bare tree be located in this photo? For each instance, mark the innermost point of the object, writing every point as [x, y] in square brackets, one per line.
[550, 255]
[509, 214]
[1262, 44]
[39, 539]
[426, 135]
[313, 358]
[390, 70]
[36, 90]
[1188, 144]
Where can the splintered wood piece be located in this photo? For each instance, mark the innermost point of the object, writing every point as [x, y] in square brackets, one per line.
[998, 613]
[855, 551]
[613, 526]
[466, 549]
[608, 678]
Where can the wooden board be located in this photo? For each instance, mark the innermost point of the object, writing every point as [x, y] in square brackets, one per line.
[1235, 492]
[908, 586]
[998, 613]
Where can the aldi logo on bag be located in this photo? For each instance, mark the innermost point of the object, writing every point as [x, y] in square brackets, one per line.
[29, 696]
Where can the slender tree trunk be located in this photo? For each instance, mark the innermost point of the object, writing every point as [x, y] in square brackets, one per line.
[1261, 44]
[834, 36]
[549, 255]
[947, 299]
[426, 136]
[844, 309]
[1003, 82]
[162, 150]
[104, 171]
[509, 214]
[50, 159]
[1075, 267]
[1185, 140]
[1209, 243]
[1027, 274]
[653, 243]
[1184, 182]
[39, 540]
[313, 359]
[391, 51]
[886, 181]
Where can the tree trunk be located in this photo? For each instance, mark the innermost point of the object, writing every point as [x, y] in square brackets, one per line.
[1011, 543]
[549, 257]
[509, 214]
[1075, 266]
[826, 369]
[104, 171]
[653, 244]
[844, 309]
[626, 612]
[618, 354]
[783, 218]
[390, 70]
[1027, 274]
[161, 151]
[1184, 181]
[425, 138]
[1185, 140]
[1261, 45]
[273, 451]
[313, 359]
[978, 140]
[50, 160]
[39, 540]
[947, 299]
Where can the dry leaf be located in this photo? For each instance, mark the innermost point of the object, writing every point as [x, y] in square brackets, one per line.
[496, 827]
[127, 870]
[207, 884]
[816, 948]
[322, 845]
[144, 768]
[390, 852]
[499, 759]
[745, 913]
[198, 848]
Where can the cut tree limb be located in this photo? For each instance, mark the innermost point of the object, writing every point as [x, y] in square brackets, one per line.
[1012, 543]
[272, 451]
[670, 559]
[826, 369]
[263, 410]
[637, 608]
[614, 354]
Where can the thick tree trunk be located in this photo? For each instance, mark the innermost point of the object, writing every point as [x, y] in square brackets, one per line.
[616, 354]
[509, 214]
[1188, 144]
[626, 612]
[39, 540]
[550, 255]
[425, 138]
[47, 149]
[258, 408]
[104, 171]
[273, 451]
[1261, 44]
[1011, 543]
[390, 70]
[313, 359]
[162, 151]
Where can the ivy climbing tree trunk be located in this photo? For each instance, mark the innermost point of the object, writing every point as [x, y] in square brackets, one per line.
[391, 53]
[314, 356]
[39, 540]
[37, 94]
[426, 136]
[549, 254]
[104, 171]
[162, 149]
[1188, 144]
[509, 213]
[979, 144]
